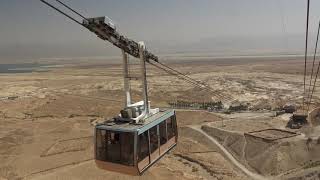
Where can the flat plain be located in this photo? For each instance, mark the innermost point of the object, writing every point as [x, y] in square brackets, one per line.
[47, 119]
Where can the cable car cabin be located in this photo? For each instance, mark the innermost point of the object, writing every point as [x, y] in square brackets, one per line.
[131, 148]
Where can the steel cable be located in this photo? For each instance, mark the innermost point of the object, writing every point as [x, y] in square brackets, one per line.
[197, 84]
[55, 8]
[314, 58]
[305, 57]
[194, 80]
[169, 70]
[68, 7]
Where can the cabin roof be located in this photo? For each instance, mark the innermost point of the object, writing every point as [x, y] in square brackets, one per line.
[151, 121]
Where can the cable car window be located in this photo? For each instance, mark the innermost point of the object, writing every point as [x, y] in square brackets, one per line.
[163, 132]
[101, 142]
[126, 148]
[170, 128]
[153, 138]
[143, 146]
[113, 147]
[174, 124]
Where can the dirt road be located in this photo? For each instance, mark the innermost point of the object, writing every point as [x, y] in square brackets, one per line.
[229, 156]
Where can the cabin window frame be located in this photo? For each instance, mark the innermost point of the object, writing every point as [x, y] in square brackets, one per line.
[154, 136]
[119, 151]
[163, 130]
[171, 127]
[139, 144]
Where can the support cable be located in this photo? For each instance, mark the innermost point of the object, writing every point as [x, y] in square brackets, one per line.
[305, 57]
[187, 77]
[315, 80]
[197, 84]
[166, 68]
[55, 8]
[184, 75]
[68, 7]
[174, 74]
[313, 62]
[314, 83]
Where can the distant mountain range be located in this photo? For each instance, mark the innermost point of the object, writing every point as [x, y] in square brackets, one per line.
[217, 46]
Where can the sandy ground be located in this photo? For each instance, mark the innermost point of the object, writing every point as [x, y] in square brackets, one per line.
[46, 117]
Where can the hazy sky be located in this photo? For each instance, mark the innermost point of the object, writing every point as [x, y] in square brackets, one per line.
[29, 29]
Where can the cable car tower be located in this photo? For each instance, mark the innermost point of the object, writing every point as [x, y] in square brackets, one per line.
[134, 140]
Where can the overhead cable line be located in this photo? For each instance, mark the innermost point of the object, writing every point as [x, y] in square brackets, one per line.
[184, 75]
[55, 8]
[305, 56]
[68, 7]
[315, 80]
[314, 58]
[191, 81]
[188, 77]
[165, 67]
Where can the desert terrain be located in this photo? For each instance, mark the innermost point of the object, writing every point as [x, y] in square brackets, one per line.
[47, 119]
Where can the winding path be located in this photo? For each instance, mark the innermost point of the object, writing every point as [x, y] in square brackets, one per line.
[229, 156]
